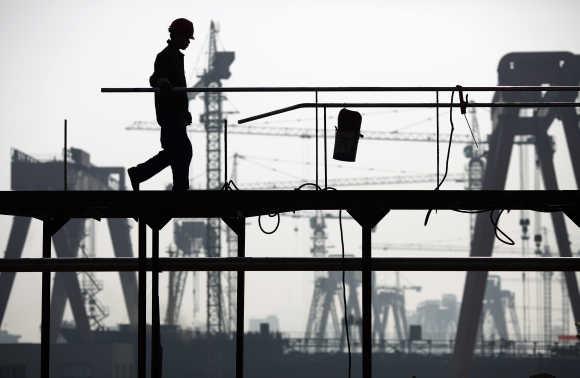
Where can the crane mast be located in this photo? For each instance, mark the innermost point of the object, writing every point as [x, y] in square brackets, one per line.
[212, 118]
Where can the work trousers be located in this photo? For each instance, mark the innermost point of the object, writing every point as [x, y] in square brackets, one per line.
[176, 152]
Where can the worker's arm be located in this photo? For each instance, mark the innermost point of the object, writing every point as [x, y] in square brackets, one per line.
[161, 73]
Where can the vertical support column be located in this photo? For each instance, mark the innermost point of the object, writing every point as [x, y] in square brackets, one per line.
[156, 350]
[142, 304]
[367, 218]
[240, 304]
[45, 322]
[238, 225]
[367, 336]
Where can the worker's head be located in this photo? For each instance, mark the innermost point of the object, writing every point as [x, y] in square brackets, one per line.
[180, 32]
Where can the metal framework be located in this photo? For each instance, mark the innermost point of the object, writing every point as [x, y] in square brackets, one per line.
[366, 207]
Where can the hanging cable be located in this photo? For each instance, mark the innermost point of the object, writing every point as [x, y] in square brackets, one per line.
[499, 234]
[275, 228]
[439, 183]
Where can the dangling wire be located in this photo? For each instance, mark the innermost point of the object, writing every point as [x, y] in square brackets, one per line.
[439, 183]
[499, 234]
[275, 228]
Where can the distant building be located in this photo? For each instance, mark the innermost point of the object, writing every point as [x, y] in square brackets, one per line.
[272, 321]
[8, 338]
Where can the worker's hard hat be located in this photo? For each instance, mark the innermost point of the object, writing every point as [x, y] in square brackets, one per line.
[182, 26]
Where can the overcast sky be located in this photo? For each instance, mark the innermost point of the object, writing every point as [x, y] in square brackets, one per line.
[57, 55]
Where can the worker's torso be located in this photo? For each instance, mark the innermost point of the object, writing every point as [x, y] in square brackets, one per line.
[171, 108]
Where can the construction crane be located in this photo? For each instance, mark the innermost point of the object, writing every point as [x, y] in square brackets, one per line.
[498, 304]
[476, 163]
[80, 289]
[217, 70]
[386, 299]
[434, 247]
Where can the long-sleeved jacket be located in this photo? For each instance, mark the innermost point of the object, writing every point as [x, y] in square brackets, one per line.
[171, 107]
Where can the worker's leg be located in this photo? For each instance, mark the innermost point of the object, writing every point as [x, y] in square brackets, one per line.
[180, 161]
[151, 167]
[157, 163]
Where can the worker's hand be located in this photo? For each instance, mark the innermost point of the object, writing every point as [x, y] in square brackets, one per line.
[187, 118]
[164, 84]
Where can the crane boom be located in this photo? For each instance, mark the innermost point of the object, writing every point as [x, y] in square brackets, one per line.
[356, 181]
[307, 133]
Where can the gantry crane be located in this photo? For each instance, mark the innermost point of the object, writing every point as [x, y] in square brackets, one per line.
[29, 173]
[526, 68]
[498, 304]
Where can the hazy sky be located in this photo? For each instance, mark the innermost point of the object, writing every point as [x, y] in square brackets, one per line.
[57, 55]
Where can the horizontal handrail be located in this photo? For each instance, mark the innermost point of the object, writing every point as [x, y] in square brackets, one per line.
[513, 264]
[303, 105]
[498, 88]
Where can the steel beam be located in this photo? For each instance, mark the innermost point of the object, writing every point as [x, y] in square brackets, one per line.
[203, 204]
[298, 264]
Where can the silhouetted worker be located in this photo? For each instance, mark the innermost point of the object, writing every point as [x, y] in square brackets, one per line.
[172, 112]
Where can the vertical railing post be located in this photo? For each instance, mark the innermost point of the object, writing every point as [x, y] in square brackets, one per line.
[45, 321]
[316, 137]
[142, 304]
[65, 155]
[325, 154]
[367, 340]
[240, 304]
[437, 131]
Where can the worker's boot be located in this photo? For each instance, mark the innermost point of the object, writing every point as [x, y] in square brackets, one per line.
[133, 178]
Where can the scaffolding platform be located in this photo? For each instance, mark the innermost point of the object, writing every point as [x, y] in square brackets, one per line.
[249, 203]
